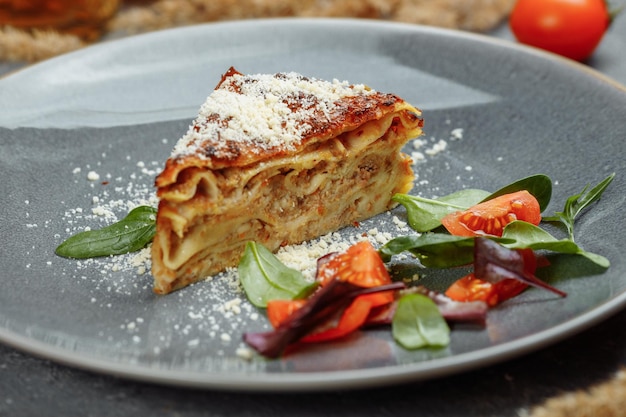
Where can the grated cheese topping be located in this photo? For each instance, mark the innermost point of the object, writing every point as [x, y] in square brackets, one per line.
[265, 110]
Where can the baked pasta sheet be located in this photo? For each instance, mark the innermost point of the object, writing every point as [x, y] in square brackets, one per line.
[276, 159]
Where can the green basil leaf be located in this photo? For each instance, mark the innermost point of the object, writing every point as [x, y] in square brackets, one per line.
[434, 250]
[130, 234]
[265, 278]
[418, 323]
[575, 204]
[425, 214]
[526, 235]
[597, 259]
[539, 185]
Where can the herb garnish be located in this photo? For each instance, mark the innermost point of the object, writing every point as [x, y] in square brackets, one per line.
[130, 234]
[577, 203]
[417, 323]
[265, 278]
[321, 307]
[441, 250]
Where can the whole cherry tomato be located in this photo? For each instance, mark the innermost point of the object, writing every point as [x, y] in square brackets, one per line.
[572, 28]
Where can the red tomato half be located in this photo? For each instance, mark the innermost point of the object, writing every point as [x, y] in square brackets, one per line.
[360, 265]
[572, 28]
[470, 288]
[490, 217]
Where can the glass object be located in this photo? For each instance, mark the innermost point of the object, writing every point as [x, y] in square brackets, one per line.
[83, 18]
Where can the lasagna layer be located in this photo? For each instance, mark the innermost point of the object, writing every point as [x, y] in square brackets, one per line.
[337, 162]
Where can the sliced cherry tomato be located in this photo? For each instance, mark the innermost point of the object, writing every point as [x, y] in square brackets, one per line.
[360, 265]
[566, 27]
[470, 288]
[490, 217]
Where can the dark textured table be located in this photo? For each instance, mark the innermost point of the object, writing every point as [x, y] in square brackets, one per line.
[31, 386]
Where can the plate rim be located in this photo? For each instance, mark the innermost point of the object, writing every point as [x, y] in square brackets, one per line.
[325, 380]
[320, 381]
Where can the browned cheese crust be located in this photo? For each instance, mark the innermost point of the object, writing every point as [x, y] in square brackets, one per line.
[331, 159]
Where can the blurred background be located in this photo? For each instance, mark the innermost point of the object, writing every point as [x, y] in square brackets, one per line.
[32, 30]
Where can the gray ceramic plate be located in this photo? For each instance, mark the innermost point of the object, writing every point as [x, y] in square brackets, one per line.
[117, 108]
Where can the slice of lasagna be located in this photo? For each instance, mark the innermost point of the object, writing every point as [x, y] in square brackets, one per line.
[276, 159]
